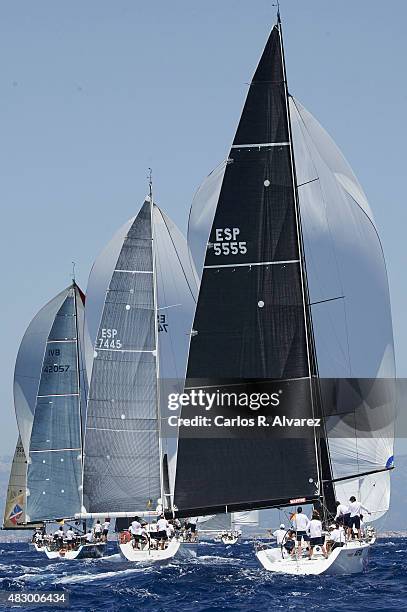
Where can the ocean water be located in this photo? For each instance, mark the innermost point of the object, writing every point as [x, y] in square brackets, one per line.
[220, 578]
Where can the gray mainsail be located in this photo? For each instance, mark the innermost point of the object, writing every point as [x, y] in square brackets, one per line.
[131, 296]
[54, 476]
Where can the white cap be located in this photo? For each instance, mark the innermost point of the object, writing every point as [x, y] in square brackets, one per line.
[333, 526]
[282, 526]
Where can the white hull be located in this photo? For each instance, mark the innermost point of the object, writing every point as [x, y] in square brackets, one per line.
[84, 551]
[228, 541]
[350, 559]
[180, 550]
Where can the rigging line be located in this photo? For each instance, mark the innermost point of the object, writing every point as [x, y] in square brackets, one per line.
[178, 257]
[308, 182]
[339, 297]
[353, 476]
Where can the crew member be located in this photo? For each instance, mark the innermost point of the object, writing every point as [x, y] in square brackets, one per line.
[162, 526]
[279, 534]
[355, 510]
[315, 532]
[97, 530]
[300, 524]
[106, 526]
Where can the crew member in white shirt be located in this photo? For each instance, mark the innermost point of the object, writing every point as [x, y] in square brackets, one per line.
[89, 536]
[70, 536]
[105, 529]
[135, 530]
[300, 523]
[279, 534]
[152, 531]
[162, 526]
[314, 530]
[342, 514]
[355, 510]
[97, 530]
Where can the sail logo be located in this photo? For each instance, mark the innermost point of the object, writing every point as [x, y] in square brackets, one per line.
[54, 352]
[227, 242]
[162, 323]
[15, 514]
[108, 339]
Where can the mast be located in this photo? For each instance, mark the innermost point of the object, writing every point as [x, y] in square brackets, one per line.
[157, 360]
[325, 486]
[78, 379]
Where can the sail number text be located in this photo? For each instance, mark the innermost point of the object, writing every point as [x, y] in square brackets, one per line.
[108, 339]
[227, 243]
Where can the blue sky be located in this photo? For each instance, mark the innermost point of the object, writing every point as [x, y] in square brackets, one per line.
[93, 93]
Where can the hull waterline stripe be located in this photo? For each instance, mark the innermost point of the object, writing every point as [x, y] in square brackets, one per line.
[258, 263]
[261, 145]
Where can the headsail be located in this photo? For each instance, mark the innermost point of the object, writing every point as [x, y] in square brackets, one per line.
[54, 476]
[251, 321]
[27, 370]
[144, 320]
[15, 508]
[351, 314]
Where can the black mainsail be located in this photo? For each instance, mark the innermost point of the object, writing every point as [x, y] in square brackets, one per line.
[252, 323]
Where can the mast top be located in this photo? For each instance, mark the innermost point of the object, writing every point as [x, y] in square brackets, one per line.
[73, 273]
[150, 184]
[277, 4]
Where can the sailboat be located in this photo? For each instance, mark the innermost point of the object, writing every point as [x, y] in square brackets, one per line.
[293, 303]
[240, 520]
[140, 301]
[50, 389]
[227, 528]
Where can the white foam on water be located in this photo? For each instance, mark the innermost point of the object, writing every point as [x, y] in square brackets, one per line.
[102, 576]
[216, 559]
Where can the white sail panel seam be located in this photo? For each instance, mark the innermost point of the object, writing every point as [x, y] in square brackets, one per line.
[55, 450]
[124, 350]
[60, 395]
[261, 145]
[123, 430]
[258, 263]
[136, 271]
